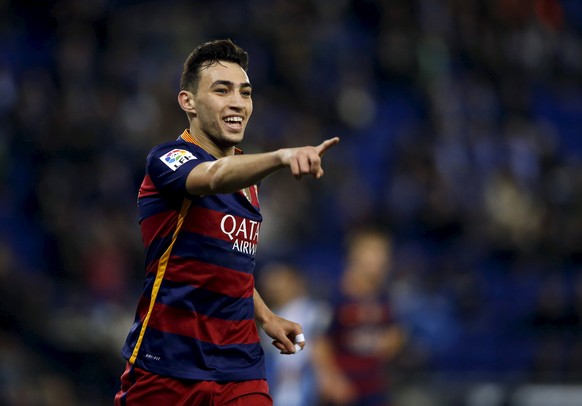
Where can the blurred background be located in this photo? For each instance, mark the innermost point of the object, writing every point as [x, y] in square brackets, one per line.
[460, 125]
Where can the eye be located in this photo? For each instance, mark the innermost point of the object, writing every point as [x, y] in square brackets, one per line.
[221, 90]
[246, 93]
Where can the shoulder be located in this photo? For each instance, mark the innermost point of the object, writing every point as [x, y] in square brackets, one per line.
[175, 146]
[175, 153]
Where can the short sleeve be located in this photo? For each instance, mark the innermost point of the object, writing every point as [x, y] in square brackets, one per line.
[168, 166]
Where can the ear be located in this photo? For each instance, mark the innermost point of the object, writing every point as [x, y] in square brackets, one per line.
[186, 101]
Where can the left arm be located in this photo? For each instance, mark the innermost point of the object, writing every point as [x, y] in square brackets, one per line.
[282, 331]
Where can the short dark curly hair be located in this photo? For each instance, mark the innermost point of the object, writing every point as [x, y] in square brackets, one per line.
[207, 54]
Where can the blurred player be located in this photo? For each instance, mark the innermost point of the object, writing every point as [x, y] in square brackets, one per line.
[293, 380]
[363, 336]
[194, 340]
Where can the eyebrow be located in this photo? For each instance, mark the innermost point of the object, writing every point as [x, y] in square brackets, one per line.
[230, 84]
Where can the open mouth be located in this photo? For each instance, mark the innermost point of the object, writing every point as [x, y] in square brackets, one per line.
[234, 122]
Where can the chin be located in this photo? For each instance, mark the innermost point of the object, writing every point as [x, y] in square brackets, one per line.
[229, 141]
[233, 139]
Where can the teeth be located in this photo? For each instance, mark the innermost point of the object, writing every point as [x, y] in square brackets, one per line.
[233, 119]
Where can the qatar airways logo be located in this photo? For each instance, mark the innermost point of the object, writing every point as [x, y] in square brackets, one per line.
[244, 233]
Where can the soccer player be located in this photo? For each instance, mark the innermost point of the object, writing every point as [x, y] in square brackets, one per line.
[195, 339]
[293, 380]
[364, 335]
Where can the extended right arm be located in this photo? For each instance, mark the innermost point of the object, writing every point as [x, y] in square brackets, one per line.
[235, 172]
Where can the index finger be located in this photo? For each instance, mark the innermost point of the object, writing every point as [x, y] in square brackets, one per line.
[325, 145]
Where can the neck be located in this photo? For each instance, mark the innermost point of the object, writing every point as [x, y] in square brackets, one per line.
[355, 286]
[208, 145]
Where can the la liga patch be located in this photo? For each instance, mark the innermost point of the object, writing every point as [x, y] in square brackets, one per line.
[176, 158]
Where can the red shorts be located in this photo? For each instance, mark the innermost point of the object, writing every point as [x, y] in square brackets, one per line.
[140, 387]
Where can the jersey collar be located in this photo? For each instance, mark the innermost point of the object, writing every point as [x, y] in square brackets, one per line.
[186, 136]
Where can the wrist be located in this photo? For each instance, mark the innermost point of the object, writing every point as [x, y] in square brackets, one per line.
[263, 317]
[282, 156]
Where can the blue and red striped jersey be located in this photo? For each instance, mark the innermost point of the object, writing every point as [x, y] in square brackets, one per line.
[356, 330]
[195, 318]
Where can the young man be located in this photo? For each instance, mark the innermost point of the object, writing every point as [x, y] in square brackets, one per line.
[195, 340]
[363, 336]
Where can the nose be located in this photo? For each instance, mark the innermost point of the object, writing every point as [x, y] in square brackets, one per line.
[237, 101]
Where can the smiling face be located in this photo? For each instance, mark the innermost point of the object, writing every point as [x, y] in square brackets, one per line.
[220, 107]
